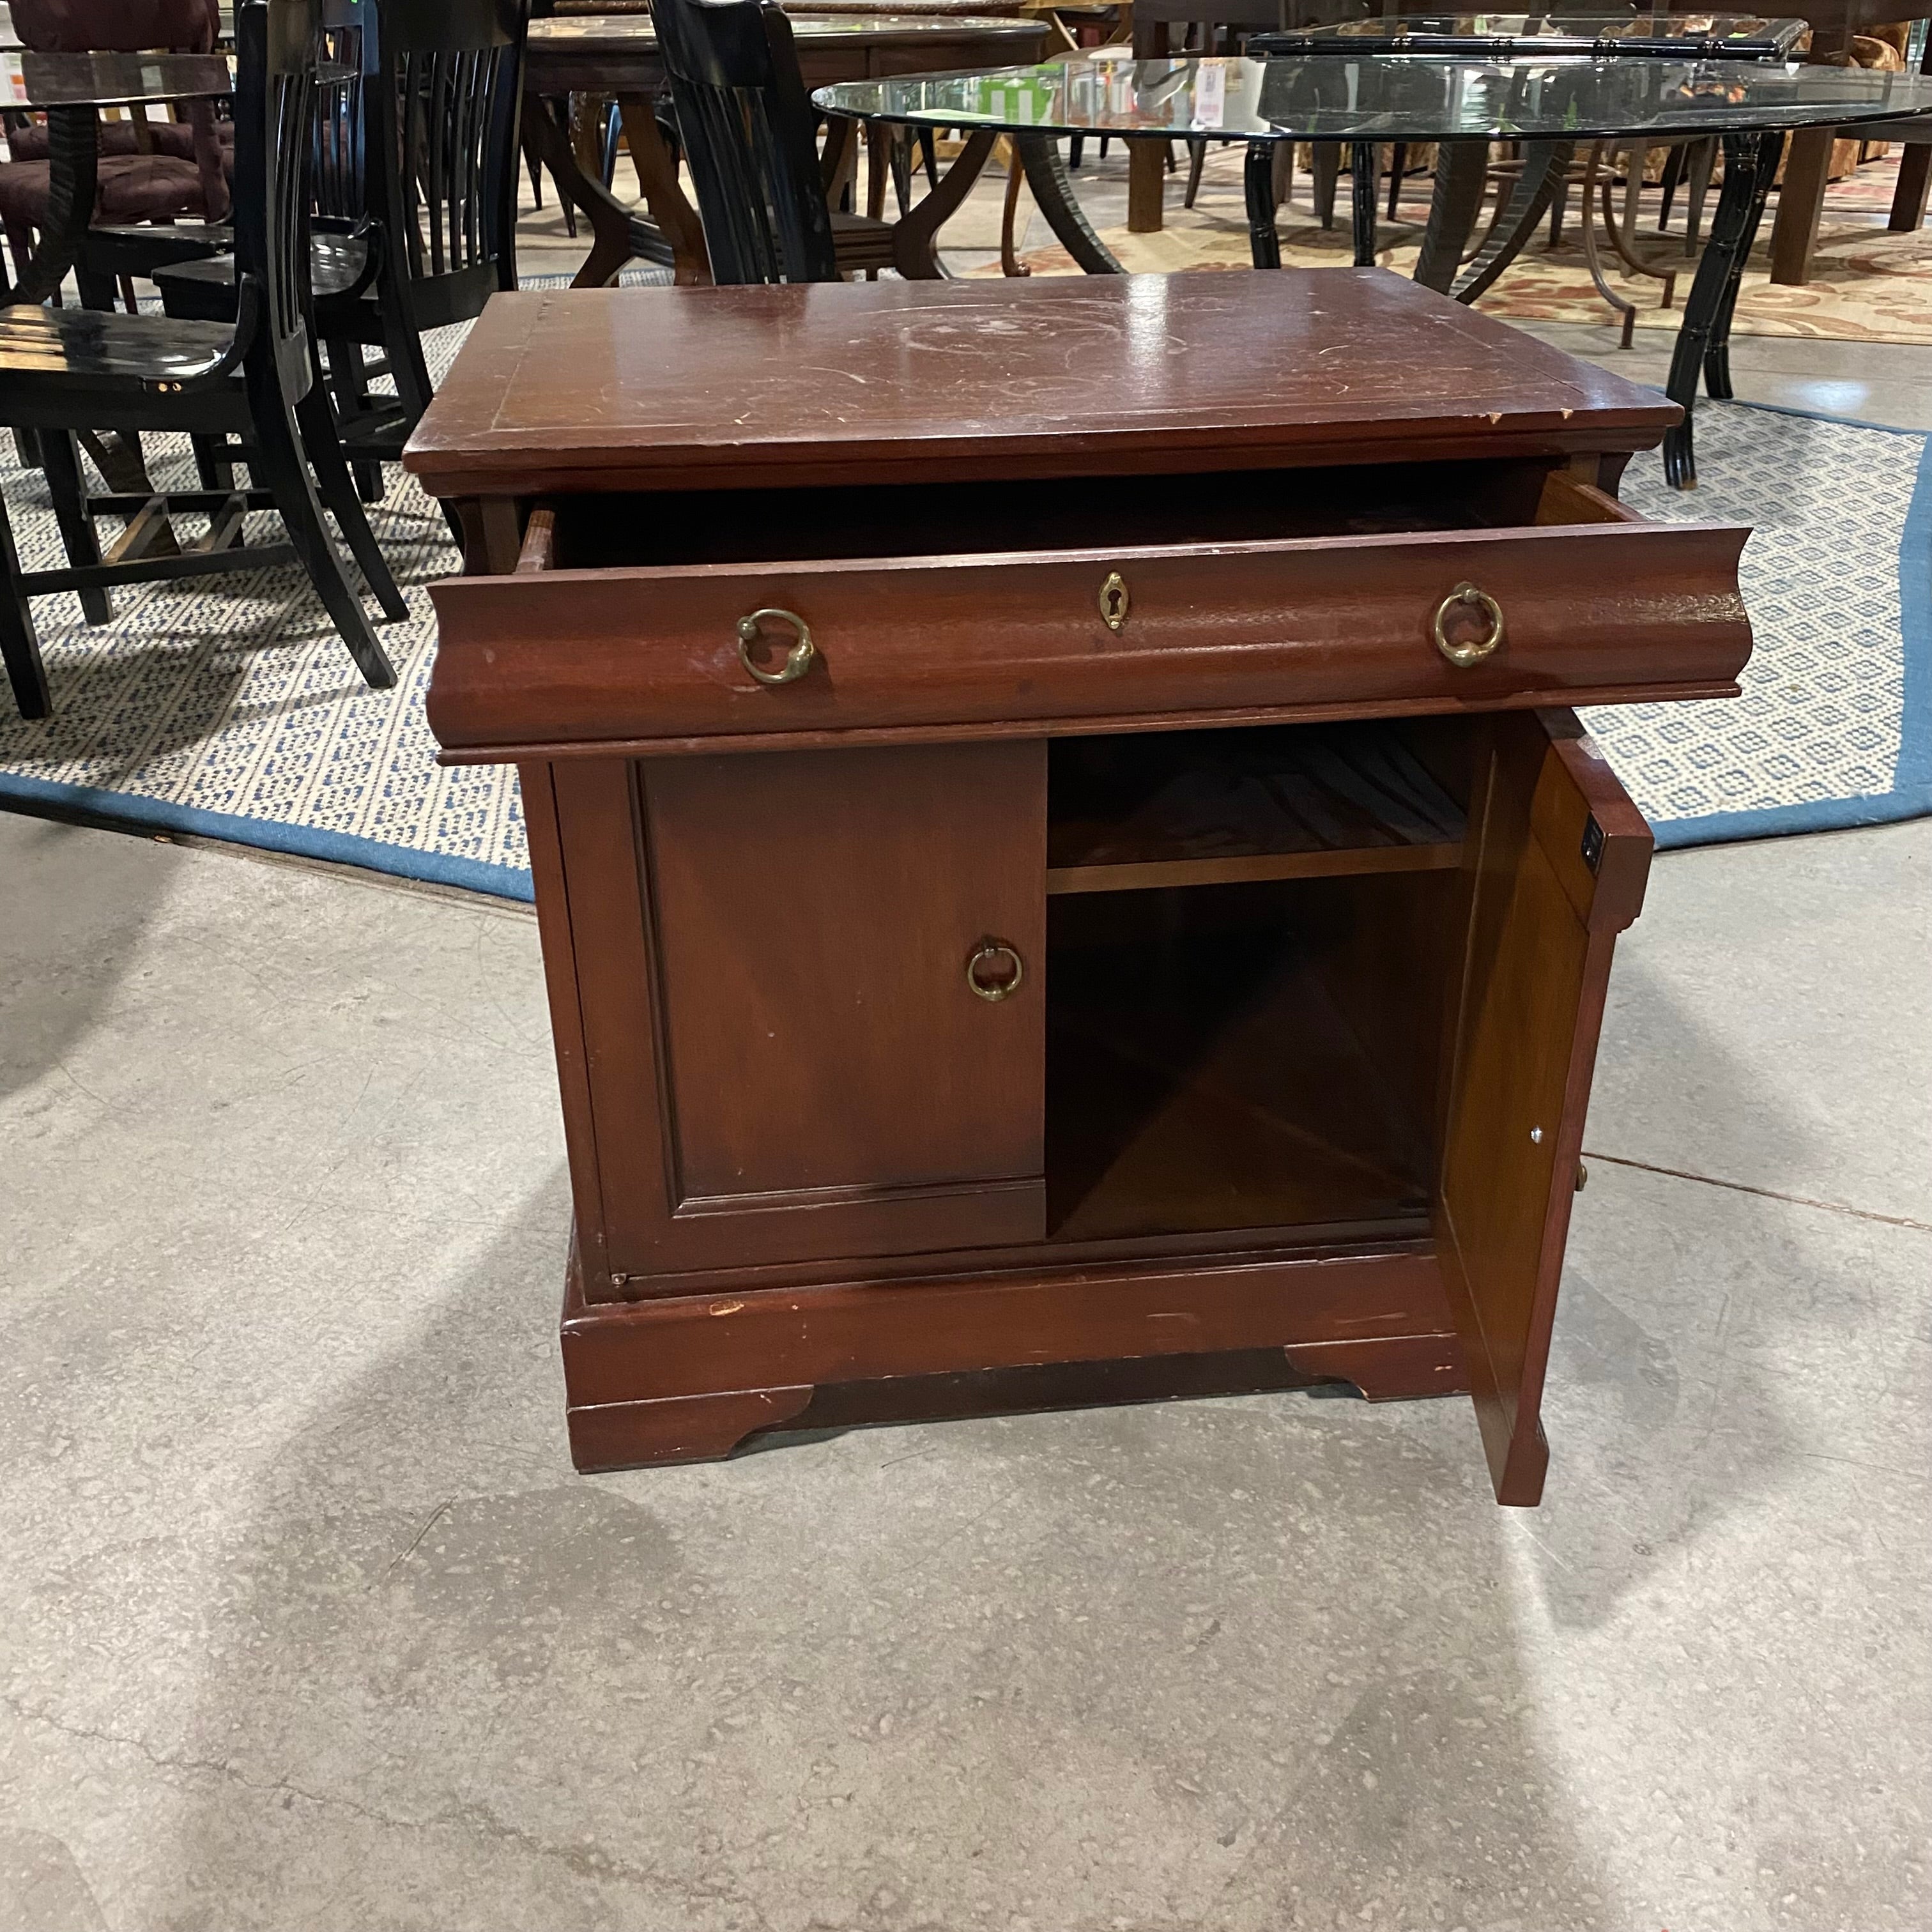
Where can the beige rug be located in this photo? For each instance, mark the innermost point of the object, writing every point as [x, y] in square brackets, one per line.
[1867, 285]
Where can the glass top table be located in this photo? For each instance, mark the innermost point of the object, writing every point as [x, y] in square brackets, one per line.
[1389, 97]
[1658, 32]
[1546, 104]
[71, 89]
[50, 81]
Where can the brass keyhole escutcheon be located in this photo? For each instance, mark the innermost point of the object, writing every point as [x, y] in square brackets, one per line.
[1114, 601]
[1463, 601]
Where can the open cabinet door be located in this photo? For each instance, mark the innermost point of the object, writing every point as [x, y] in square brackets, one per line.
[1559, 856]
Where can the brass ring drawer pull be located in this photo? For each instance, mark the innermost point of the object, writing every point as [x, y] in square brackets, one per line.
[984, 954]
[797, 660]
[1466, 596]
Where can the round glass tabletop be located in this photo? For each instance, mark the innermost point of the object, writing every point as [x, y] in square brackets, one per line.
[29, 79]
[1388, 98]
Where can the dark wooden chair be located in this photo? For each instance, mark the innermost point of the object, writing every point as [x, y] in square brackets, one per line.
[751, 140]
[152, 175]
[248, 383]
[415, 204]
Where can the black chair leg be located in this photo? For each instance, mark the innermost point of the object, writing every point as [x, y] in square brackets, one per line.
[1673, 173]
[278, 466]
[62, 466]
[214, 462]
[317, 422]
[1327, 172]
[1197, 159]
[19, 646]
[350, 381]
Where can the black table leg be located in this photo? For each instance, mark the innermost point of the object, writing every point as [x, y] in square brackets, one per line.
[1258, 177]
[73, 146]
[1053, 195]
[1362, 200]
[1544, 165]
[1462, 174]
[1717, 355]
[1703, 342]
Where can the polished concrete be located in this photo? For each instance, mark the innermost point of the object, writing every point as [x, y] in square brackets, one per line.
[305, 1621]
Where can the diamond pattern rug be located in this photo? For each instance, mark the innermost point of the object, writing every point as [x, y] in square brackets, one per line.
[228, 708]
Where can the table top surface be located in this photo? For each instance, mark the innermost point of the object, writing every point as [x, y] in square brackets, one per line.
[603, 33]
[1389, 97]
[597, 388]
[928, 9]
[111, 80]
[1683, 35]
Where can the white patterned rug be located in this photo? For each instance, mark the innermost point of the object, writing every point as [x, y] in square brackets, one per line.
[228, 707]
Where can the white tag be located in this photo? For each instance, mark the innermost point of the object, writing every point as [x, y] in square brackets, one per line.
[1211, 95]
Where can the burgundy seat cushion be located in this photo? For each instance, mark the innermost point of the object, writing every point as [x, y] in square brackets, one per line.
[122, 137]
[132, 188]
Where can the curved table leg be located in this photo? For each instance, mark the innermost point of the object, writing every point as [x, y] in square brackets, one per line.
[74, 144]
[1461, 176]
[1626, 311]
[1010, 263]
[677, 220]
[1544, 165]
[1703, 343]
[1053, 193]
[915, 239]
[609, 219]
[1717, 355]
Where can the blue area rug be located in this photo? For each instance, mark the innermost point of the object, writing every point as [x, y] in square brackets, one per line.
[1834, 727]
[228, 708]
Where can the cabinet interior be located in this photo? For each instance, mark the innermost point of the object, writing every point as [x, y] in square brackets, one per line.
[1251, 936]
[724, 526]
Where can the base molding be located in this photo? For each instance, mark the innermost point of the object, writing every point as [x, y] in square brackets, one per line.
[689, 1379]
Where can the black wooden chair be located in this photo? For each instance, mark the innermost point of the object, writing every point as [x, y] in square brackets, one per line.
[750, 139]
[248, 382]
[416, 186]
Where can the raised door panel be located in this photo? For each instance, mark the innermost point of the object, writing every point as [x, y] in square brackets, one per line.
[1559, 864]
[787, 1061]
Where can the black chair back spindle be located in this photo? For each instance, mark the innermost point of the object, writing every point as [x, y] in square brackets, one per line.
[280, 43]
[749, 136]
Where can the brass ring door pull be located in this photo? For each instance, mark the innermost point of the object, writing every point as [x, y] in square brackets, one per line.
[797, 660]
[1467, 597]
[986, 953]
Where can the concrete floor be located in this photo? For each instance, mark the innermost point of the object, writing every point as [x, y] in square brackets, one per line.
[304, 1620]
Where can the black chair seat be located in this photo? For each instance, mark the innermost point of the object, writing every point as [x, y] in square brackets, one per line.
[338, 266]
[98, 345]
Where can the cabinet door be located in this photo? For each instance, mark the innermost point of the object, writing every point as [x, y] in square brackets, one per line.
[788, 1058]
[1559, 856]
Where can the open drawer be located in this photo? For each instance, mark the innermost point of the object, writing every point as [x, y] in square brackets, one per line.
[1004, 610]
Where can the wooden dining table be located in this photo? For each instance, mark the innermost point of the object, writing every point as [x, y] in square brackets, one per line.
[615, 55]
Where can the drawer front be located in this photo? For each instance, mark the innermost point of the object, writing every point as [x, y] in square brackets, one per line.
[1599, 614]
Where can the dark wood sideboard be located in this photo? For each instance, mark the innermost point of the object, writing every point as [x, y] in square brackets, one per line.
[1065, 869]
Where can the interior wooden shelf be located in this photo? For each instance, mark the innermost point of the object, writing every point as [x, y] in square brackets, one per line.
[1221, 1089]
[1199, 808]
